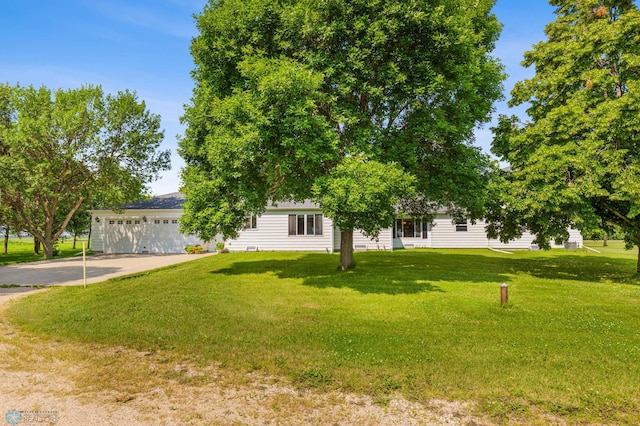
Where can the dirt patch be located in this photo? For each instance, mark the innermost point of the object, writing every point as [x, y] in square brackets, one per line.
[81, 384]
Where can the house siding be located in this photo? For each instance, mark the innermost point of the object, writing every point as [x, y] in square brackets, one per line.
[97, 235]
[444, 234]
[272, 234]
[383, 242]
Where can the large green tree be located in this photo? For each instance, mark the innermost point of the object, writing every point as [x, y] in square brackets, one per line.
[61, 149]
[313, 99]
[576, 161]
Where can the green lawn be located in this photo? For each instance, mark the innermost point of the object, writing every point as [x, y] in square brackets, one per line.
[21, 250]
[426, 323]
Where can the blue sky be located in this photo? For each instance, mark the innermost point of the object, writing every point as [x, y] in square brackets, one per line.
[143, 45]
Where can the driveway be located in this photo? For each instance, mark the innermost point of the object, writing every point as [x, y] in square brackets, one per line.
[18, 279]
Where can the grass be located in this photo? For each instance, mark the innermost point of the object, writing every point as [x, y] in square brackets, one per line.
[425, 323]
[21, 250]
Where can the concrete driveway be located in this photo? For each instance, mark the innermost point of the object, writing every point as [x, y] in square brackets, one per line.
[18, 279]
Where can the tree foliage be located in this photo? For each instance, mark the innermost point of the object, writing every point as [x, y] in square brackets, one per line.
[296, 97]
[577, 160]
[61, 149]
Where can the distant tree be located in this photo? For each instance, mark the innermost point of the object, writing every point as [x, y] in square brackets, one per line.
[79, 223]
[577, 160]
[61, 149]
[361, 106]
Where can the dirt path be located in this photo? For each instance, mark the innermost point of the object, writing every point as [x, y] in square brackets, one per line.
[51, 382]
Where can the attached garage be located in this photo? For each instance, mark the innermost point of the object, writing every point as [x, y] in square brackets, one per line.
[149, 226]
[123, 236]
[165, 237]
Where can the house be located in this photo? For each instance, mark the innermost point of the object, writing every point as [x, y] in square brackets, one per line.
[152, 226]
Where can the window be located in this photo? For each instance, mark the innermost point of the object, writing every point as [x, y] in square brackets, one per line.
[461, 224]
[305, 224]
[165, 221]
[410, 228]
[174, 221]
[120, 222]
[251, 222]
[136, 222]
[128, 222]
[156, 221]
[112, 222]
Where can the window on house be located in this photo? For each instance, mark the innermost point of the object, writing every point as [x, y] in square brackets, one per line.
[461, 224]
[305, 224]
[410, 228]
[120, 222]
[136, 222]
[112, 222]
[156, 221]
[165, 221]
[174, 221]
[251, 222]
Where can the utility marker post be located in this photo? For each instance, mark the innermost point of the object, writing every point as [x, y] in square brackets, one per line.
[504, 294]
[84, 265]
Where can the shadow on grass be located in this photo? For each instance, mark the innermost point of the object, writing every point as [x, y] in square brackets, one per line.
[379, 272]
[417, 271]
[321, 271]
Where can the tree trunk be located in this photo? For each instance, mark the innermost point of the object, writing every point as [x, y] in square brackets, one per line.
[36, 246]
[604, 240]
[346, 249]
[89, 238]
[638, 263]
[75, 238]
[47, 247]
[6, 239]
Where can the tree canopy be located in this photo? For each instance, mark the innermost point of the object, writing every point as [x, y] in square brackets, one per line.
[64, 148]
[576, 162]
[306, 99]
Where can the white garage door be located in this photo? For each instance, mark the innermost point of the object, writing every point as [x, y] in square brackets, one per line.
[165, 237]
[124, 236]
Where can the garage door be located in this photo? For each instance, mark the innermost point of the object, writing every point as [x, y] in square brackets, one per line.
[124, 236]
[165, 237]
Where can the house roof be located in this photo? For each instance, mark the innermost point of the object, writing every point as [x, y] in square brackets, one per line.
[172, 201]
[289, 205]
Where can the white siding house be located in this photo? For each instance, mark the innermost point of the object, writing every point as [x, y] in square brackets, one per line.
[286, 226]
[152, 227]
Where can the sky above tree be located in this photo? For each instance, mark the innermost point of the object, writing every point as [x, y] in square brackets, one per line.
[144, 46]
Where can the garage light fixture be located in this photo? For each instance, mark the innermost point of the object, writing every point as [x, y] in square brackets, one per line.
[144, 219]
[97, 220]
